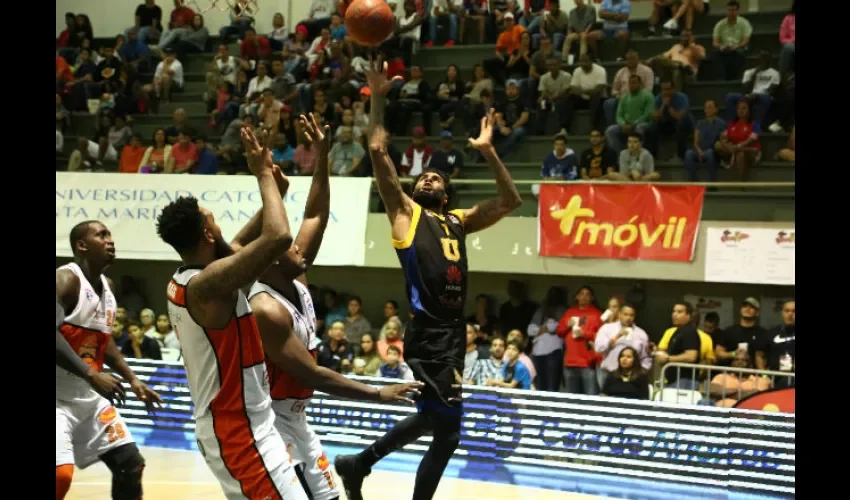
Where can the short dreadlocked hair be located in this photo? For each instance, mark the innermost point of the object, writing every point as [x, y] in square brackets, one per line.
[180, 224]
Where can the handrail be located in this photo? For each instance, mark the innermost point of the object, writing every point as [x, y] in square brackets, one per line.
[526, 182]
[698, 370]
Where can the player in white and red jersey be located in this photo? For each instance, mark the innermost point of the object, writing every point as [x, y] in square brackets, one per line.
[222, 350]
[287, 321]
[88, 428]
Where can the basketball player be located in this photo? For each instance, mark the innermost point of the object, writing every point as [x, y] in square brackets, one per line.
[431, 248]
[222, 349]
[287, 320]
[88, 428]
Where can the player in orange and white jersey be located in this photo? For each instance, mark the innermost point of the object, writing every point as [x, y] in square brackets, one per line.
[222, 349]
[287, 320]
[88, 428]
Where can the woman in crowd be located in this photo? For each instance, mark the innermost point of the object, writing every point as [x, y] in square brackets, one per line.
[629, 380]
[449, 94]
[368, 361]
[157, 155]
[739, 145]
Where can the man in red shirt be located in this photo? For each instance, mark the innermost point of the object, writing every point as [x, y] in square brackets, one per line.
[255, 47]
[179, 25]
[578, 327]
[184, 154]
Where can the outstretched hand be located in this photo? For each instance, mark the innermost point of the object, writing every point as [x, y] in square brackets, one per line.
[258, 154]
[399, 392]
[378, 140]
[313, 133]
[376, 77]
[485, 138]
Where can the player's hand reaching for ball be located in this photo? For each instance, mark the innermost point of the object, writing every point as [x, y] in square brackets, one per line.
[378, 140]
[258, 154]
[399, 392]
[485, 138]
[376, 77]
[146, 395]
[313, 133]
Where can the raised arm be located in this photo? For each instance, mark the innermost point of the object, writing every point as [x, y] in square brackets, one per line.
[252, 230]
[223, 277]
[318, 207]
[489, 212]
[399, 205]
[285, 350]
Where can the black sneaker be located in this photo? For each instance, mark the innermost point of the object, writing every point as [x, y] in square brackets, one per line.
[352, 475]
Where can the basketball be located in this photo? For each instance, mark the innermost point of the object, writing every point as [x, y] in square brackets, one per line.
[369, 22]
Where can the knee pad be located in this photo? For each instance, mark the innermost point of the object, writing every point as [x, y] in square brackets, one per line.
[126, 464]
[64, 473]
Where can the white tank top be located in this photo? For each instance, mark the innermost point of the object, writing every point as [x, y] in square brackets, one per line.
[87, 328]
[225, 367]
[283, 385]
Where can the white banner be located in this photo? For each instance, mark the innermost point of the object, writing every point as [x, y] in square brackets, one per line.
[129, 204]
[750, 255]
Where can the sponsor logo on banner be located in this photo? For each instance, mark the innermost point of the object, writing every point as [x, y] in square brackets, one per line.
[776, 400]
[129, 205]
[619, 221]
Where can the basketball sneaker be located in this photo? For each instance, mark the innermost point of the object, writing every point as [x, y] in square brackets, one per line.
[352, 474]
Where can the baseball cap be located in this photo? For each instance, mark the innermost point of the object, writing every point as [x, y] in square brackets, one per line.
[446, 134]
[752, 301]
[512, 81]
[418, 132]
[508, 15]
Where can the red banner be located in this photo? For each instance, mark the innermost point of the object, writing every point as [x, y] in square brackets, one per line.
[619, 221]
[781, 400]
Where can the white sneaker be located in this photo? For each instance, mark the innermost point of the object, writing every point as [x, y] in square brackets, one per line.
[571, 58]
[671, 25]
[776, 128]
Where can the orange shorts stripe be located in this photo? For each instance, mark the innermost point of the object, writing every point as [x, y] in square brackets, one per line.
[241, 457]
[252, 345]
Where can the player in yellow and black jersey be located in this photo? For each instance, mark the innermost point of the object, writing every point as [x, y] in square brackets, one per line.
[432, 250]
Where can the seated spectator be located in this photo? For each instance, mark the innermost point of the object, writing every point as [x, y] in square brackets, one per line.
[662, 10]
[613, 338]
[598, 161]
[295, 50]
[168, 77]
[304, 156]
[241, 20]
[140, 346]
[490, 371]
[119, 133]
[131, 155]
[319, 16]
[338, 30]
[164, 333]
[759, 85]
[148, 21]
[681, 62]
[488, 323]
[630, 379]
[107, 77]
[407, 33]
[518, 64]
[498, 10]
[179, 25]
[621, 84]
[507, 43]
[444, 9]
[615, 22]
[560, 164]
[788, 152]
[788, 37]
[587, 91]
[634, 114]
[254, 47]
[184, 154]
[539, 67]
[473, 10]
[282, 155]
[582, 20]
[195, 40]
[156, 156]
[417, 156]
[392, 337]
[671, 118]
[449, 95]
[447, 159]
[514, 374]
[134, 52]
[689, 9]
[706, 134]
[730, 40]
[256, 87]
[355, 323]
[280, 32]
[335, 353]
[179, 123]
[517, 337]
[394, 367]
[553, 26]
[739, 145]
[782, 113]
[390, 312]
[367, 362]
[119, 335]
[728, 388]
[268, 112]
[553, 90]
[681, 344]
[81, 160]
[512, 116]
[413, 96]
[636, 163]
[778, 349]
[348, 121]
[207, 163]
[345, 155]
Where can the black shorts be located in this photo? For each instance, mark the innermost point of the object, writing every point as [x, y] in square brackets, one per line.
[435, 354]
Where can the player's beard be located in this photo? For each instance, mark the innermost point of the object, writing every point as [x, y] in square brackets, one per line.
[432, 200]
[222, 249]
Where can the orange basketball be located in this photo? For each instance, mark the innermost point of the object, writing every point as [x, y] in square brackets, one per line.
[369, 22]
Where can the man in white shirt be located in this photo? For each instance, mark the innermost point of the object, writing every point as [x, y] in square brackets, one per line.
[612, 338]
[226, 65]
[587, 90]
[554, 84]
[168, 76]
[759, 84]
[319, 16]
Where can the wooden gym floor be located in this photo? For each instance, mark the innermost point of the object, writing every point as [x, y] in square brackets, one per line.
[183, 475]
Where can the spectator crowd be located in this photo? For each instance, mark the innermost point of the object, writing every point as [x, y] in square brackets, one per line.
[546, 68]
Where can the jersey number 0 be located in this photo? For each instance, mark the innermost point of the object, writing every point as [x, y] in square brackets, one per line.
[450, 246]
